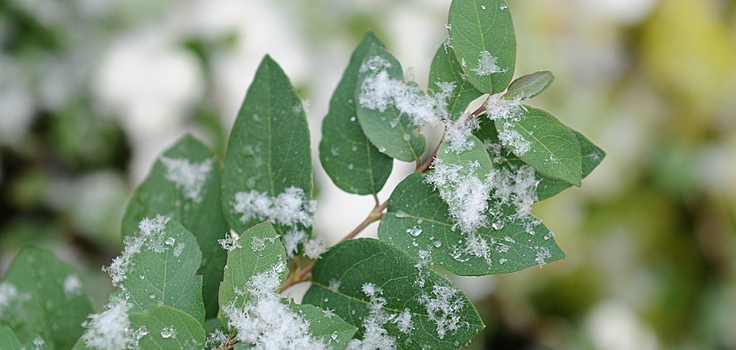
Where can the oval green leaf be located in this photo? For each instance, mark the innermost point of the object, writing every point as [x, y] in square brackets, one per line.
[529, 85]
[379, 86]
[368, 282]
[168, 328]
[269, 160]
[8, 340]
[418, 222]
[184, 185]
[543, 142]
[446, 72]
[159, 266]
[348, 157]
[257, 251]
[256, 268]
[43, 297]
[547, 187]
[482, 34]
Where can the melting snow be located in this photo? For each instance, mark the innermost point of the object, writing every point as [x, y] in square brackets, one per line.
[73, 286]
[188, 177]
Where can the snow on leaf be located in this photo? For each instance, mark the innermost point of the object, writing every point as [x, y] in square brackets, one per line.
[111, 329]
[379, 92]
[262, 320]
[443, 306]
[151, 236]
[486, 64]
[189, 177]
[288, 208]
[314, 248]
[374, 335]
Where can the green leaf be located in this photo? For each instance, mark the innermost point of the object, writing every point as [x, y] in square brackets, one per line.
[256, 268]
[543, 142]
[269, 155]
[446, 70]
[36, 343]
[367, 281]
[475, 158]
[8, 340]
[168, 328]
[184, 185]
[547, 187]
[529, 85]
[159, 266]
[482, 34]
[417, 221]
[388, 128]
[349, 158]
[592, 155]
[257, 251]
[325, 326]
[43, 296]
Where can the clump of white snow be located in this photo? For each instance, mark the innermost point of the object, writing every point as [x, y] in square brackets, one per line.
[189, 177]
[375, 337]
[111, 329]
[150, 236]
[465, 194]
[379, 91]
[487, 64]
[264, 322]
[291, 241]
[314, 248]
[443, 307]
[288, 208]
[458, 132]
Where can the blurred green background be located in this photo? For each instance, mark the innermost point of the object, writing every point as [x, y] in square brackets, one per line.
[91, 91]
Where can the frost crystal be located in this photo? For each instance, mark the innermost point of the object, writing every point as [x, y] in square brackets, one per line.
[150, 236]
[443, 308]
[465, 194]
[487, 64]
[288, 208]
[187, 176]
[458, 132]
[543, 253]
[379, 91]
[215, 339]
[231, 242]
[262, 321]
[514, 140]
[314, 248]
[111, 330]
[375, 337]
